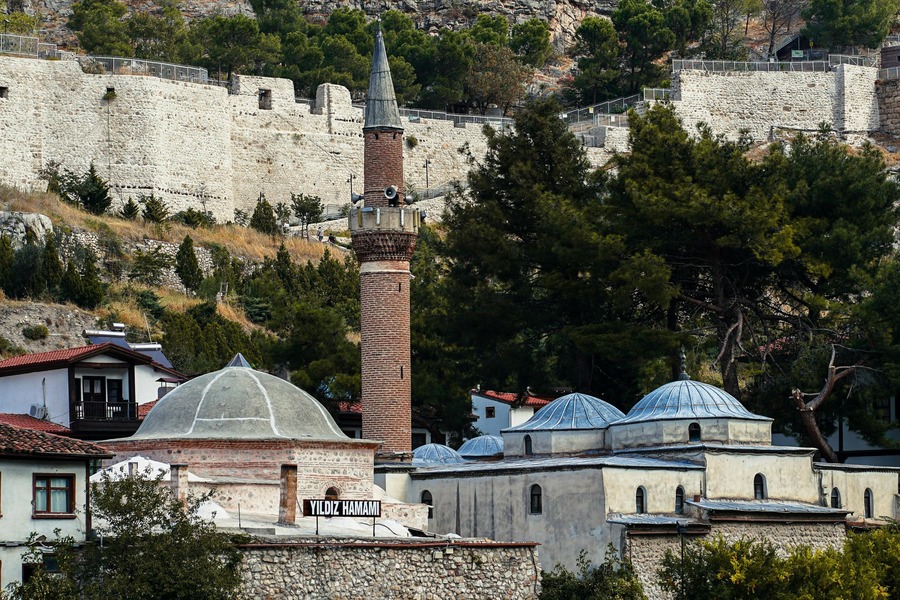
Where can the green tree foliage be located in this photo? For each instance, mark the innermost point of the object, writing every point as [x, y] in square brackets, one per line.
[7, 260]
[531, 42]
[194, 218]
[643, 29]
[725, 40]
[130, 211]
[748, 569]
[596, 51]
[613, 579]
[153, 547]
[51, 267]
[496, 78]
[186, 265]
[838, 24]
[263, 219]
[147, 267]
[90, 191]
[154, 209]
[492, 30]
[100, 27]
[159, 34]
[307, 209]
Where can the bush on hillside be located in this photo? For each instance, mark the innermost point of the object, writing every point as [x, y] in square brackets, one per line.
[35, 332]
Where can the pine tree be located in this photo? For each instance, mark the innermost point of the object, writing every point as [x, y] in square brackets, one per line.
[155, 210]
[93, 290]
[130, 211]
[93, 193]
[51, 266]
[186, 265]
[263, 219]
[71, 286]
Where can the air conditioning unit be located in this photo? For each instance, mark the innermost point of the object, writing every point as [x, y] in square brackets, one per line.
[38, 412]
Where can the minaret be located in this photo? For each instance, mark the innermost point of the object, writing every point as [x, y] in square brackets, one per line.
[384, 235]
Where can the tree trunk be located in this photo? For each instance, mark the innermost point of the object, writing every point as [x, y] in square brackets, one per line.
[808, 416]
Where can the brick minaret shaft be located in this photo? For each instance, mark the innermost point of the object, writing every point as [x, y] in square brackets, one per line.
[384, 236]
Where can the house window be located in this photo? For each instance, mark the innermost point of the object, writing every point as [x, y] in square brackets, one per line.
[4, 92]
[759, 487]
[679, 500]
[428, 501]
[331, 494]
[529, 451]
[265, 99]
[640, 500]
[870, 509]
[54, 495]
[694, 432]
[114, 390]
[835, 498]
[489, 412]
[92, 389]
[536, 506]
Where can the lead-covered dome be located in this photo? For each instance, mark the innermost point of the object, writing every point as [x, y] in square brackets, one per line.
[238, 402]
[572, 411]
[688, 399]
[432, 455]
[483, 446]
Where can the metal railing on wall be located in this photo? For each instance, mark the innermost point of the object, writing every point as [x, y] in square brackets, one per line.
[136, 66]
[891, 73]
[500, 123]
[657, 94]
[587, 114]
[766, 67]
[24, 45]
[859, 60]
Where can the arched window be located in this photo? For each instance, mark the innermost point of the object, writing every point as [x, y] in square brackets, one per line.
[640, 500]
[536, 506]
[331, 493]
[679, 500]
[529, 451]
[759, 487]
[835, 498]
[694, 432]
[870, 509]
[427, 500]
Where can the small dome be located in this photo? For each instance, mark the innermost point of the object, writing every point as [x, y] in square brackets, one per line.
[572, 411]
[688, 399]
[238, 403]
[483, 446]
[431, 455]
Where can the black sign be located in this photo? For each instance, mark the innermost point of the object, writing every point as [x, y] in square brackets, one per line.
[341, 508]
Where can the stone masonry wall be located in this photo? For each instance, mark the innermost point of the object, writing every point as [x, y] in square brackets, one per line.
[199, 146]
[759, 102]
[647, 551]
[888, 93]
[402, 570]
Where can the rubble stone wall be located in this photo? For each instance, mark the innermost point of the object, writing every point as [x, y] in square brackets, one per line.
[403, 570]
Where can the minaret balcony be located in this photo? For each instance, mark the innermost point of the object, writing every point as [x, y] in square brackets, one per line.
[399, 219]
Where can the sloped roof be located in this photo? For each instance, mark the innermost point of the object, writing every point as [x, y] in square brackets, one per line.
[572, 411]
[513, 398]
[55, 359]
[145, 408]
[29, 422]
[15, 441]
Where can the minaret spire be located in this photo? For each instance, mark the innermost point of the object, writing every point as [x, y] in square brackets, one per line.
[381, 102]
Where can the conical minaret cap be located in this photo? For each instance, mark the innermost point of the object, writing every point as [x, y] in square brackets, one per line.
[381, 103]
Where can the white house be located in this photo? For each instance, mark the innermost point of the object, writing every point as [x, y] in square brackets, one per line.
[94, 390]
[495, 411]
[43, 488]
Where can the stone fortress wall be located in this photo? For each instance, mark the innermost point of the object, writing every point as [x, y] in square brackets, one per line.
[210, 148]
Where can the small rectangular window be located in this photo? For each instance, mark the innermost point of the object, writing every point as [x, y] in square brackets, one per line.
[265, 99]
[489, 412]
[54, 495]
[4, 92]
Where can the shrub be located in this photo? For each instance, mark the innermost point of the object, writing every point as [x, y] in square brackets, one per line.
[412, 141]
[36, 332]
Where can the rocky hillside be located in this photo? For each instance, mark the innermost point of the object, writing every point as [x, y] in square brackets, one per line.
[562, 15]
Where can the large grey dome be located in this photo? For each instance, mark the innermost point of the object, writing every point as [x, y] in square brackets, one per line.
[687, 399]
[431, 455]
[238, 403]
[572, 411]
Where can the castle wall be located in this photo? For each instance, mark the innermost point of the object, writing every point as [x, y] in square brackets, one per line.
[199, 145]
[405, 570]
[760, 102]
[888, 94]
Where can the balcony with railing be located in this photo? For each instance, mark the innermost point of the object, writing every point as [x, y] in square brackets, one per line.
[103, 420]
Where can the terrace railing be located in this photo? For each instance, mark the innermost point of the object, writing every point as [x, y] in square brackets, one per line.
[24, 45]
[767, 67]
[136, 66]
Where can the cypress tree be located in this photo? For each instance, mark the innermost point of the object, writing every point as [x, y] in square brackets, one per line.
[71, 287]
[186, 266]
[51, 266]
[93, 290]
[7, 258]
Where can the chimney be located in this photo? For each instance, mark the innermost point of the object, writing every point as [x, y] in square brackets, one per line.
[178, 480]
[287, 503]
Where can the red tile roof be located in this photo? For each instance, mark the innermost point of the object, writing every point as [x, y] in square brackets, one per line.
[143, 409]
[513, 398]
[56, 359]
[29, 422]
[24, 442]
